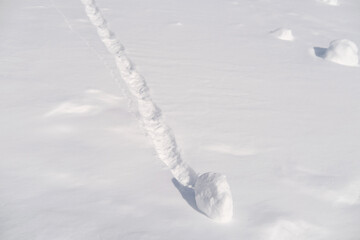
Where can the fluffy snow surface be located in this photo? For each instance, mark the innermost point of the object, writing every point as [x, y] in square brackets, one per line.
[80, 156]
[343, 52]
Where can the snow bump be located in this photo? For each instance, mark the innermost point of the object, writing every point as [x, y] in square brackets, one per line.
[342, 51]
[213, 196]
[283, 34]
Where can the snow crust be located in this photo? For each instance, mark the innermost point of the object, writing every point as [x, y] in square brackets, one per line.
[213, 196]
[342, 51]
[283, 34]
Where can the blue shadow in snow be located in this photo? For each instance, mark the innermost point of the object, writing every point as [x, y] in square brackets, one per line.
[320, 52]
[187, 193]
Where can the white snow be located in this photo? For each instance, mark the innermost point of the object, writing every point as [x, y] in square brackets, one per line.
[213, 196]
[92, 102]
[350, 194]
[330, 2]
[77, 161]
[161, 135]
[285, 229]
[283, 34]
[212, 192]
[343, 51]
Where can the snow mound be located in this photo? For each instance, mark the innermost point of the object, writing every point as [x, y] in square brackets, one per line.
[331, 2]
[283, 34]
[343, 52]
[213, 196]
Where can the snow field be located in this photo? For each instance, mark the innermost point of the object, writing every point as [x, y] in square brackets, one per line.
[284, 127]
[213, 196]
[93, 102]
[159, 132]
[283, 34]
[285, 229]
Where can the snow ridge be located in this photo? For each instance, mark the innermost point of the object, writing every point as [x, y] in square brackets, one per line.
[161, 135]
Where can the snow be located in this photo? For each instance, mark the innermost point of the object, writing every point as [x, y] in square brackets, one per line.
[282, 124]
[212, 192]
[331, 2]
[213, 196]
[292, 229]
[161, 135]
[283, 34]
[342, 51]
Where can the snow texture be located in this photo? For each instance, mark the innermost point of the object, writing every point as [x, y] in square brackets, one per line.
[161, 135]
[330, 2]
[212, 191]
[282, 123]
[283, 34]
[213, 196]
[342, 51]
[285, 229]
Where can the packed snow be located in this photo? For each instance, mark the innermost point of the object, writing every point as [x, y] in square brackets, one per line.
[85, 151]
